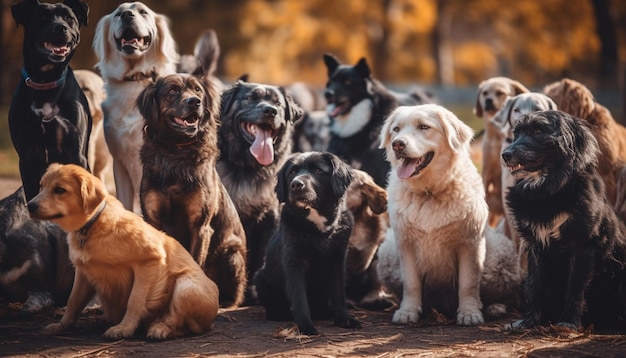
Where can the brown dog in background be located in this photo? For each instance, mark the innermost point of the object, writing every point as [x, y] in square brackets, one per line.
[489, 99]
[141, 276]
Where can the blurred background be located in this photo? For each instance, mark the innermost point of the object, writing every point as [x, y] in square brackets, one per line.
[445, 46]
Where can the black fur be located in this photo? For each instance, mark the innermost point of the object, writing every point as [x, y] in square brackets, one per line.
[49, 123]
[249, 182]
[303, 275]
[576, 265]
[347, 86]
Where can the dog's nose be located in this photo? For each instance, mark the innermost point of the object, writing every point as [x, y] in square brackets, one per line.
[193, 102]
[60, 29]
[297, 185]
[32, 207]
[127, 15]
[398, 145]
[329, 95]
[507, 155]
[269, 111]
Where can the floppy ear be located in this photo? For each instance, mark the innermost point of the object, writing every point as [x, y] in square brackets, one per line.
[362, 68]
[581, 143]
[331, 63]
[165, 44]
[228, 97]
[92, 191]
[385, 135]
[293, 111]
[376, 197]
[342, 174]
[478, 108]
[501, 118]
[458, 133]
[281, 181]
[80, 9]
[101, 45]
[147, 104]
[550, 103]
[22, 11]
[518, 88]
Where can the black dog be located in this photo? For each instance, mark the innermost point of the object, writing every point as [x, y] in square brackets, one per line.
[35, 268]
[49, 119]
[357, 106]
[254, 140]
[576, 244]
[304, 265]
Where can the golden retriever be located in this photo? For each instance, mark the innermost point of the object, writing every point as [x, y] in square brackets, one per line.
[489, 99]
[437, 213]
[142, 276]
[134, 46]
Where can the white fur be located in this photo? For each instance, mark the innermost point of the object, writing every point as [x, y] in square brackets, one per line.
[438, 216]
[123, 124]
[349, 124]
[14, 274]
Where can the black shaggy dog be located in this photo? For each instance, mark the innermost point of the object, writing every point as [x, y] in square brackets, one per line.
[576, 244]
[181, 191]
[357, 105]
[255, 138]
[303, 275]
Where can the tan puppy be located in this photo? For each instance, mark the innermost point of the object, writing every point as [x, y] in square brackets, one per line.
[576, 99]
[141, 275]
[437, 212]
[489, 99]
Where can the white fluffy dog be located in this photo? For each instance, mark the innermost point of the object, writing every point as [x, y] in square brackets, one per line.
[134, 46]
[437, 212]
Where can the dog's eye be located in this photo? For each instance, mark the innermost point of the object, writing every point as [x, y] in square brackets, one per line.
[395, 129]
[58, 190]
[347, 82]
[117, 14]
[69, 20]
[172, 91]
[500, 93]
[509, 140]
[143, 12]
[423, 127]
[198, 89]
[516, 110]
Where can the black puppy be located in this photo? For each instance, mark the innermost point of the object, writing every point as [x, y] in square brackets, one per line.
[576, 244]
[303, 275]
[49, 118]
[357, 106]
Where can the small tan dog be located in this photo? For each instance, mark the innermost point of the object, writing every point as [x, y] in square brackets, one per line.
[490, 98]
[141, 275]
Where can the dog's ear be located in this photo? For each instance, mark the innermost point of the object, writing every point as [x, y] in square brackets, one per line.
[146, 102]
[363, 68]
[518, 87]
[385, 132]
[502, 118]
[342, 174]
[165, 44]
[92, 191]
[376, 196]
[228, 97]
[282, 182]
[577, 138]
[550, 103]
[331, 63]
[456, 131]
[478, 108]
[80, 9]
[23, 10]
[243, 78]
[293, 111]
[101, 44]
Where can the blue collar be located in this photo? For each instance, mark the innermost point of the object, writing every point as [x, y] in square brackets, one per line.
[43, 85]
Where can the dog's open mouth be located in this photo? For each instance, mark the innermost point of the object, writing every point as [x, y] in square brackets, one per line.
[56, 52]
[338, 108]
[187, 124]
[131, 42]
[262, 139]
[413, 166]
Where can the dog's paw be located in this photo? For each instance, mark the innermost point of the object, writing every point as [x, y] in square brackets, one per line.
[496, 310]
[405, 316]
[469, 318]
[566, 327]
[347, 322]
[119, 332]
[37, 302]
[515, 325]
[160, 332]
[53, 328]
[307, 329]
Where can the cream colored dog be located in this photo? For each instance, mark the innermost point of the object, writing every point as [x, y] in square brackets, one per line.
[141, 275]
[490, 98]
[437, 212]
[134, 46]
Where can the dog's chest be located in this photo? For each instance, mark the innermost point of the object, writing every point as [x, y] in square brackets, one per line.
[545, 231]
[46, 111]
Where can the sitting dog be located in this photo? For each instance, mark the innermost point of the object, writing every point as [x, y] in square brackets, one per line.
[576, 243]
[437, 213]
[134, 46]
[141, 276]
[492, 93]
[255, 138]
[303, 275]
[35, 268]
[181, 191]
[49, 118]
[357, 106]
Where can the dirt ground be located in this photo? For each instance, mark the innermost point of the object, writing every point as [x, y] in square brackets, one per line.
[244, 332]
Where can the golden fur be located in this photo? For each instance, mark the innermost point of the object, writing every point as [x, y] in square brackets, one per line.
[125, 75]
[490, 97]
[574, 98]
[437, 214]
[141, 275]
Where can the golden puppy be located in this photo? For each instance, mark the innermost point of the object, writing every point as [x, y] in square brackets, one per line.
[490, 97]
[141, 275]
[576, 99]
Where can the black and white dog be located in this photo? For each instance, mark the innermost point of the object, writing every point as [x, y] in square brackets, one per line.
[303, 275]
[576, 243]
[357, 104]
[49, 118]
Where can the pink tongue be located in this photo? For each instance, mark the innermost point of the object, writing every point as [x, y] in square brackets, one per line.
[262, 149]
[407, 168]
[335, 110]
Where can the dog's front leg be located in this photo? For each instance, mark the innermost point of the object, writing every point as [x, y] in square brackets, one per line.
[296, 292]
[144, 276]
[534, 291]
[581, 268]
[82, 292]
[468, 313]
[411, 305]
[338, 298]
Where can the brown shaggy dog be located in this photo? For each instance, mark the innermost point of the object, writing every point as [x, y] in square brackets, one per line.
[181, 192]
[141, 276]
[576, 99]
[489, 99]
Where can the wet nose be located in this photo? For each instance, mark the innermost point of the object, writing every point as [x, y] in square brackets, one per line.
[329, 95]
[507, 155]
[127, 15]
[398, 145]
[60, 29]
[193, 102]
[297, 185]
[270, 111]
